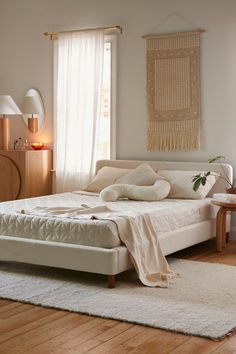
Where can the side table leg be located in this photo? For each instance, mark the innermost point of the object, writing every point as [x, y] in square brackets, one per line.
[224, 229]
[221, 229]
[224, 214]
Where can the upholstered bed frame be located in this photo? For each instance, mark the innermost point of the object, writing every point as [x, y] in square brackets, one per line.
[116, 260]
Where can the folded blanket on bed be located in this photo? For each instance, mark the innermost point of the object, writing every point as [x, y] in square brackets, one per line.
[67, 212]
[135, 230]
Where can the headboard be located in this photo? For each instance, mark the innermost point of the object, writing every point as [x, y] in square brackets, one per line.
[219, 187]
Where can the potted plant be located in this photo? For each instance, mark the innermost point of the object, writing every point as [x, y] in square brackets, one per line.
[201, 179]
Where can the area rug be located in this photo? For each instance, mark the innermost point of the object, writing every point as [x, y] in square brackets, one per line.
[200, 302]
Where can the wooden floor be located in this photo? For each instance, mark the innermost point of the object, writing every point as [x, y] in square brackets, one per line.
[28, 329]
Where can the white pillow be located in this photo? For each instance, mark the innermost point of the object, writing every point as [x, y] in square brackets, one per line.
[143, 175]
[158, 191]
[182, 186]
[105, 177]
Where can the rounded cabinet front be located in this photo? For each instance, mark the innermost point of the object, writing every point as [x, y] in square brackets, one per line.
[10, 181]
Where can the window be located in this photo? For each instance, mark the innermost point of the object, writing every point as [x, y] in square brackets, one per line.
[107, 136]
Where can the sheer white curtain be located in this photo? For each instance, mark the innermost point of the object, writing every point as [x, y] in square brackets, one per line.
[78, 79]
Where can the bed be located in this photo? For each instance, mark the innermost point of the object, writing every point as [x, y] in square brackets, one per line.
[94, 245]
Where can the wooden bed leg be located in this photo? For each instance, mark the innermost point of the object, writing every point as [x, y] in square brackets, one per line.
[111, 281]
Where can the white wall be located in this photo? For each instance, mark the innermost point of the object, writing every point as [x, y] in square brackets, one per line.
[26, 61]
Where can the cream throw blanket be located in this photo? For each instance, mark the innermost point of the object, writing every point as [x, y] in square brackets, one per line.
[136, 231]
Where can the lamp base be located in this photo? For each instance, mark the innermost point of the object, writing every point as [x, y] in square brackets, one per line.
[5, 133]
[33, 125]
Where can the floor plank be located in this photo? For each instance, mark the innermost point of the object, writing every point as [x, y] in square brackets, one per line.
[114, 342]
[26, 328]
[5, 303]
[90, 339]
[15, 310]
[43, 317]
[195, 346]
[227, 347]
[25, 342]
[86, 329]
[135, 341]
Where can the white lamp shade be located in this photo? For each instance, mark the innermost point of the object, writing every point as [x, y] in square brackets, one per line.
[31, 105]
[8, 106]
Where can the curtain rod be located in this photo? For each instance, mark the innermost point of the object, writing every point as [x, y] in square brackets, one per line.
[53, 34]
[150, 36]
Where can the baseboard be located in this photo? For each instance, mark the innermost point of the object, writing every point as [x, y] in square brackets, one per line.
[232, 235]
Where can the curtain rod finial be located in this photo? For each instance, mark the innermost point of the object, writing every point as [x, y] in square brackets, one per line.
[49, 34]
[120, 28]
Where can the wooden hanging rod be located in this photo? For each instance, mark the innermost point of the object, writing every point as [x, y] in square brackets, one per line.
[54, 34]
[149, 36]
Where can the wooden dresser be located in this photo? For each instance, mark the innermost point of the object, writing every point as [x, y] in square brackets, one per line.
[25, 174]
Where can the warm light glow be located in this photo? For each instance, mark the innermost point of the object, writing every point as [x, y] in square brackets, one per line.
[37, 146]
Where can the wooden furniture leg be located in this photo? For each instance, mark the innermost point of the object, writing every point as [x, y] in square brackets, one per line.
[224, 213]
[111, 281]
[221, 228]
[227, 237]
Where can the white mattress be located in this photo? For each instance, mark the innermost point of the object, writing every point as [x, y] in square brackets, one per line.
[97, 233]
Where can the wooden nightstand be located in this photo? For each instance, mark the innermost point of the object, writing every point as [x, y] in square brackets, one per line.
[25, 174]
[221, 222]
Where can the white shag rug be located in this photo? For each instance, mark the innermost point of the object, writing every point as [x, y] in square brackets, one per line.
[201, 302]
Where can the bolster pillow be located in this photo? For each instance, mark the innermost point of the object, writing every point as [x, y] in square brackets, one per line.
[158, 191]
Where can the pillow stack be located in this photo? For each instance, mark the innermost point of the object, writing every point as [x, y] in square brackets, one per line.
[180, 181]
[143, 175]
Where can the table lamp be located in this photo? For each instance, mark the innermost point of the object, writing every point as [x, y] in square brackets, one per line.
[7, 107]
[31, 105]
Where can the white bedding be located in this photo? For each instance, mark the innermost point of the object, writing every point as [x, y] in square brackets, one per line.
[172, 214]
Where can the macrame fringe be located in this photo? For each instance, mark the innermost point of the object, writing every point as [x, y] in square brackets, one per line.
[174, 135]
[173, 141]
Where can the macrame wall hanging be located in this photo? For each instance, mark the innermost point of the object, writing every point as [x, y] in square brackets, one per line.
[173, 91]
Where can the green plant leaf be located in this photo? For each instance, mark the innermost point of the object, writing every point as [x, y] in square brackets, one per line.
[194, 178]
[203, 181]
[196, 185]
[216, 159]
[207, 174]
